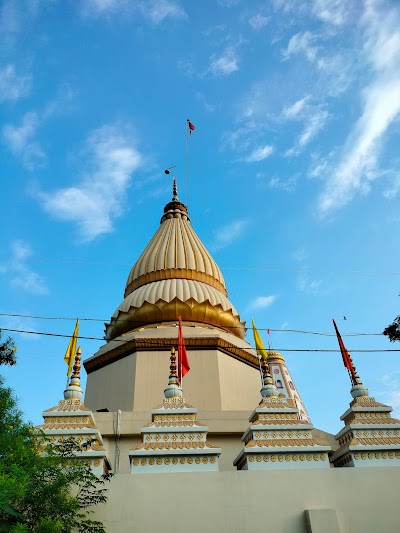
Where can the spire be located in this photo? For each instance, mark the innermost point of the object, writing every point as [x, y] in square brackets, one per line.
[173, 389]
[268, 389]
[74, 388]
[175, 191]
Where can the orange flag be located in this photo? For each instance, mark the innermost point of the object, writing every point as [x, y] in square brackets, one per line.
[183, 363]
[345, 354]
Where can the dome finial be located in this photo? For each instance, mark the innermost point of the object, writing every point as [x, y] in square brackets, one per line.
[175, 191]
[268, 389]
[74, 388]
[173, 389]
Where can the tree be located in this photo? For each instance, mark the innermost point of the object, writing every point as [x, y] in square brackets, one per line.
[44, 488]
[7, 351]
[393, 330]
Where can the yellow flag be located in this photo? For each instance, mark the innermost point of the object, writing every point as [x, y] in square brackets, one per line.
[259, 343]
[69, 356]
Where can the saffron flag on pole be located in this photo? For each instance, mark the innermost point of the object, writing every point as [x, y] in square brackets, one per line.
[260, 348]
[345, 354]
[183, 363]
[69, 356]
[190, 126]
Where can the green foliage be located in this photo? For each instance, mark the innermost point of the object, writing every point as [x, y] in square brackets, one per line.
[7, 351]
[393, 330]
[43, 488]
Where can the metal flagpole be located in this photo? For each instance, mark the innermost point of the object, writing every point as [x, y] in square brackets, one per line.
[187, 162]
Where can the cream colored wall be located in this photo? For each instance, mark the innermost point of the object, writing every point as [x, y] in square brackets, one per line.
[365, 499]
[240, 384]
[112, 387]
[137, 382]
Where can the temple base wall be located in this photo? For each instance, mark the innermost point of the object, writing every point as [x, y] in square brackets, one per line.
[353, 500]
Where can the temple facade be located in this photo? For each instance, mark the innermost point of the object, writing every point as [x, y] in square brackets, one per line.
[222, 450]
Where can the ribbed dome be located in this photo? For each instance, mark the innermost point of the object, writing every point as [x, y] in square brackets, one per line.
[175, 276]
[175, 251]
[167, 290]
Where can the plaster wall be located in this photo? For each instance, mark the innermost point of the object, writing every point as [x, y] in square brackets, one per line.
[364, 500]
[137, 382]
[112, 387]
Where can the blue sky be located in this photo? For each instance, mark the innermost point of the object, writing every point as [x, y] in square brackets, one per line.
[293, 173]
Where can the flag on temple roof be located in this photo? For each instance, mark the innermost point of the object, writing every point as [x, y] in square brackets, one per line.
[69, 356]
[260, 348]
[345, 354]
[183, 363]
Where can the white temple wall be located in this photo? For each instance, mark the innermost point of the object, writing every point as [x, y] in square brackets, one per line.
[360, 500]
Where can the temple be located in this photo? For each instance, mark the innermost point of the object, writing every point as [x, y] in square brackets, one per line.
[213, 452]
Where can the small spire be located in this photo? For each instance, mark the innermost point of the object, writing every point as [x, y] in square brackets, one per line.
[74, 388]
[175, 191]
[173, 390]
[358, 389]
[268, 389]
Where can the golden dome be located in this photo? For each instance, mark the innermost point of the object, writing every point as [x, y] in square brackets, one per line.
[175, 276]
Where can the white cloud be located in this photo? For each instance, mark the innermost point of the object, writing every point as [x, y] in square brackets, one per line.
[292, 111]
[20, 141]
[154, 10]
[315, 121]
[335, 12]
[259, 154]
[258, 21]
[358, 164]
[262, 302]
[281, 184]
[391, 395]
[302, 42]
[225, 64]
[99, 198]
[13, 86]
[227, 234]
[21, 276]
[308, 285]
[158, 10]
[210, 108]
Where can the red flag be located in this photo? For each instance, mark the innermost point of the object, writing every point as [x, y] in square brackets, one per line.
[190, 126]
[183, 363]
[345, 354]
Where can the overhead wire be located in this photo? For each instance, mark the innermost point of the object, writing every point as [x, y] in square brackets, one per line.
[131, 321]
[157, 344]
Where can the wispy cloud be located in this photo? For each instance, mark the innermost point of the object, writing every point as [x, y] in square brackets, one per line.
[156, 11]
[278, 183]
[98, 199]
[258, 21]
[314, 123]
[20, 140]
[391, 394]
[261, 302]
[305, 283]
[210, 108]
[259, 154]
[302, 43]
[292, 111]
[229, 233]
[359, 160]
[334, 12]
[225, 63]
[159, 10]
[13, 86]
[19, 274]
